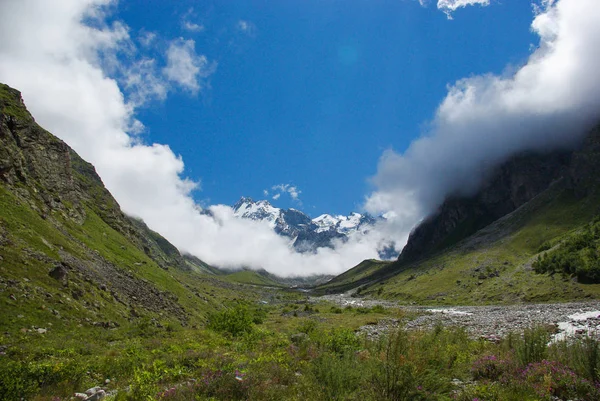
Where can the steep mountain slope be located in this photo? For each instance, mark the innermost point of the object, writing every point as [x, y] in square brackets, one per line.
[481, 248]
[69, 256]
[305, 234]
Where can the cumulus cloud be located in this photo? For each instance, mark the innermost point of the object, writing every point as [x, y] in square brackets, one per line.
[57, 62]
[549, 103]
[185, 67]
[449, 6]
[289, 189]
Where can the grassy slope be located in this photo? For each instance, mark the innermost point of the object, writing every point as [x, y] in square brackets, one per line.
[492, 266]
[361, 274]
[250, 277]
[33, 243]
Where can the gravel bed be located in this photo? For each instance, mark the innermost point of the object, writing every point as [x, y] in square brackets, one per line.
[490, 322]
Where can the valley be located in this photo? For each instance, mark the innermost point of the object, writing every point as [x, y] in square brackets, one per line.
[93, 299]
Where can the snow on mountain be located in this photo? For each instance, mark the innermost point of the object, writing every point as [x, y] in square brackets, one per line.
[306, 234]
[343, 224]
[262, 210]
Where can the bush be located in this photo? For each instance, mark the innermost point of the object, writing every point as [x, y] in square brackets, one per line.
[233, 321]
[551, 379]
[340, 341]
[490, 367]
[337, 377]
[393, 374]
[378, 309]
[578, 256]
[533, 346]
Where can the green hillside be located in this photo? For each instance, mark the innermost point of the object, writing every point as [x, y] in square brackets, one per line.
[492, 266]
[251, 277]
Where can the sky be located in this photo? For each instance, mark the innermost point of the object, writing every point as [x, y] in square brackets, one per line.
[325, 106]
[310, 93]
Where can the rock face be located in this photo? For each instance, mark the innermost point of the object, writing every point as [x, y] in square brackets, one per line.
[305, 234]
[508, 187]
[44, 175]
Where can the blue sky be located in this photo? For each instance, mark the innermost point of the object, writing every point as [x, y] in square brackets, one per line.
[311, 93]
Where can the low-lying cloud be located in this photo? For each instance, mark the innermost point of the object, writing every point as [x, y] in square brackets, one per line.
[548, 103]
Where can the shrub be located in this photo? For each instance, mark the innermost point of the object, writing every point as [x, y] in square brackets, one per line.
[578, 256]
[378, 309]
[337, 377]
[340, 341]
[393, 374]
[490, 367]
[552, 379]
[233, 321]
[533, 346]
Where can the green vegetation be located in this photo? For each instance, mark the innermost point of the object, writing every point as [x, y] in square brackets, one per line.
[9, 99]
[494, 266]
[251, 277]
[576, 256]
[235, 321]
[303, 359]
[91, 297]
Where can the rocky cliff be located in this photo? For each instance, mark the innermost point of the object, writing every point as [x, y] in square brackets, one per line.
[61, 229]
[49, 176]
[509, 186]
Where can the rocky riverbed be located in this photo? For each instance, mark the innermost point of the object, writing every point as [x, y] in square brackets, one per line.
[490, 322]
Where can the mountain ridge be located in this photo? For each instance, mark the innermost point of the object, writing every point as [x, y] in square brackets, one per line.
[306, 234]
[480, 248]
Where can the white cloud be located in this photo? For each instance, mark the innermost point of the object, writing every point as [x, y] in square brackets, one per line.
[449, 6]
[289, 189]
[146, 38]
[548, 103]
[246, 27]
[57, 63]
[189, 25]
[143, 83]
[185, 67]
[192, 27]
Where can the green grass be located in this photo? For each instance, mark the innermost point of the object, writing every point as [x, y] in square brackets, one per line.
[492, 266]
[265, 361]
[250, 277]
[9, 103]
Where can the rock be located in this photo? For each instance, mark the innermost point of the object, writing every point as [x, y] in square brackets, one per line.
[80, 396]
[12, 296]
[93, 390]
[42, 331]
[59, 272]
[97, 396]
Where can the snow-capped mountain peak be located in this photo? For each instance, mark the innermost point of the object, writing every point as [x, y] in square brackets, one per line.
[260, 210]
[342, 224]
[306, 234]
